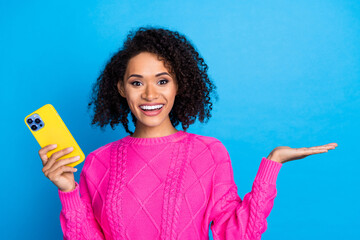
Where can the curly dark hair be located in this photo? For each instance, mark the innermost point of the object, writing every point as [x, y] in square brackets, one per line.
[181, 59]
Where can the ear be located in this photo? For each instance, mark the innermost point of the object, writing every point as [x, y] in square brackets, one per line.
[121, 89]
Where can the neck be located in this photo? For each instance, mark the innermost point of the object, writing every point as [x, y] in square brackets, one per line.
[142, 131]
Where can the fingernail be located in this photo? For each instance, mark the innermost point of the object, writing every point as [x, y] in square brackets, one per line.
[53, 145]
[77, 157]
[71, 148]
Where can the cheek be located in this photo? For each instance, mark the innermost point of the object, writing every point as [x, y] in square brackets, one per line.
[131, 102]
[171, 93]
[132, 96]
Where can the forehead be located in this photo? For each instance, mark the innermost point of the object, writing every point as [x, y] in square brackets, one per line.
[146, 62]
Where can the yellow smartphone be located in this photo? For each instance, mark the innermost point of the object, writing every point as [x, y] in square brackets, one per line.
[48, 128]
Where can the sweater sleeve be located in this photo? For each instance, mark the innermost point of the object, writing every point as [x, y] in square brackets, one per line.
[233, 218]
[77, 217]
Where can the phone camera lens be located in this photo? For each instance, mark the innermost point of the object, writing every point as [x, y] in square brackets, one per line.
[29, 120]
[37, 120]
[34, 127]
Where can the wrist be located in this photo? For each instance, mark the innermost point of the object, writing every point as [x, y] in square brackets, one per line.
[69, 189]
[274, 158]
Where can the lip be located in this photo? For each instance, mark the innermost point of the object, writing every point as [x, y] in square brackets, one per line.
[151, 104]
[151, 113]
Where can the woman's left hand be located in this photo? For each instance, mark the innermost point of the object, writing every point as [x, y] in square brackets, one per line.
[286, 154]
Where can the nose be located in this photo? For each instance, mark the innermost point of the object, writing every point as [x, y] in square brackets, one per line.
[149, 93]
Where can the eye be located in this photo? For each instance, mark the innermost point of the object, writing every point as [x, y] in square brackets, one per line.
[163, 81]
[136, 83]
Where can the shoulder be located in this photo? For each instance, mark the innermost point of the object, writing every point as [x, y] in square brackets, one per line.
[103, 150]
[210, 144]
[207, 141]
[99, 158]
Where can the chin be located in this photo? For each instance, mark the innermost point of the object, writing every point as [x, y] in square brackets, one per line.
[151, 121]
[151, 124]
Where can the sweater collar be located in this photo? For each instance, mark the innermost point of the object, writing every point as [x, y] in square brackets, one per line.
[156, 140]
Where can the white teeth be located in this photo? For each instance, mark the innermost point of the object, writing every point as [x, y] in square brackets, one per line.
[151, 107]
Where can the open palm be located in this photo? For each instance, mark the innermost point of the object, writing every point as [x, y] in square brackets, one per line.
[284, 154]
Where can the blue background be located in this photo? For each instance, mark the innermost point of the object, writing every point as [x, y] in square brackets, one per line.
[287, 74]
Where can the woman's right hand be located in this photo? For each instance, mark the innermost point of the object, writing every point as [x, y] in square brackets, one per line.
[62, 176]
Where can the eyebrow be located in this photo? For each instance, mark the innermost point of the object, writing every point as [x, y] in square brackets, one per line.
[140, 76]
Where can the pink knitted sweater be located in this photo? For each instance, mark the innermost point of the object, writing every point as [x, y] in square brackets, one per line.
[166, 188]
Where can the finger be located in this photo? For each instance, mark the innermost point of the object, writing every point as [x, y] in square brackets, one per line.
[317, 151]
[54, 176]
[312, 150]
[333, 145]
[60, 163]
[330, 145]
[55, 156]
[43, 151]
[319, 148]
[324, 147]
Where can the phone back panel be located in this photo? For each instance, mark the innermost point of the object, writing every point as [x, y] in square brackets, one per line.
[55, 131]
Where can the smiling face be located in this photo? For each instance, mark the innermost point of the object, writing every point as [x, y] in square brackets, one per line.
[149, 85]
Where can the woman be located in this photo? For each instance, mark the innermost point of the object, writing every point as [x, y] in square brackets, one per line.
[159, 182]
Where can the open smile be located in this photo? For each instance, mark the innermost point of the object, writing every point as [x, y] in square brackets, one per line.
[151, 110]
[151, 107]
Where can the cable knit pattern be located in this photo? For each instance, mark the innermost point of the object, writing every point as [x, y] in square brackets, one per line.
[256, 225]
[77, 220]
[166, 188]
[116, 187]
[187, 149]
[175, 186]
[73, 224]
[169, 194]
